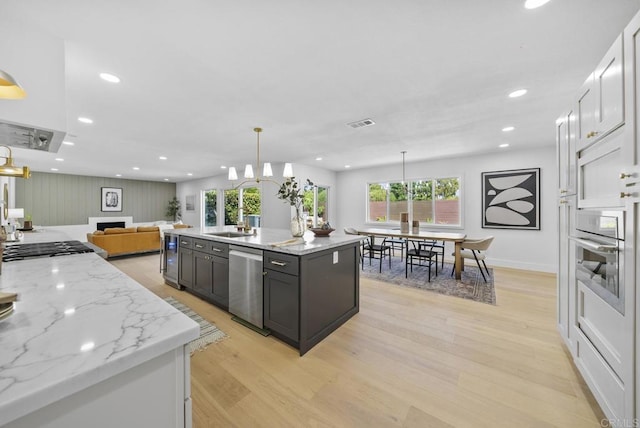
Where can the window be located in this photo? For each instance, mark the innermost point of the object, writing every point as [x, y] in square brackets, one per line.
[430, 201]
[316, 205]
[210, 208]
[241, 204]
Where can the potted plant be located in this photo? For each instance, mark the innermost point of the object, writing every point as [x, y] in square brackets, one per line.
[292, 193]
[28, 225]
[173, 209]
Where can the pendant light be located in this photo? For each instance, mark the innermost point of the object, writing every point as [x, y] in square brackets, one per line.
[8, 169]
[10, 88]
[267, 171]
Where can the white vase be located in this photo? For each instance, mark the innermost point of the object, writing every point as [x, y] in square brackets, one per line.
[297, 226]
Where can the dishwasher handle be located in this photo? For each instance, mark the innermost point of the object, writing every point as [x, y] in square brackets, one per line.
[245, 255]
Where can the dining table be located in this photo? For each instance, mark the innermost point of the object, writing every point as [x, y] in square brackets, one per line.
[425, 235]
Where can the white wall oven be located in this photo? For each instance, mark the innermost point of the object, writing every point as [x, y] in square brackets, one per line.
[599, 253]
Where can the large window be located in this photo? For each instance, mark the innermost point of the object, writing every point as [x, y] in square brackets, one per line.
[316, 205]
[241, 204]
[210, 207]
[430, 201]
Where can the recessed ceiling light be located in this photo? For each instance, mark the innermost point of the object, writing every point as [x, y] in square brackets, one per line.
[517, 93]
[68, 143]
[70, 311]
[532, 4]
[110, 78]
[504, 145]
[508, 129]
[166, 179]
[85, 120]
[347, 166]
[136, 168]
[318, 158]
[54, 169]
[59, 159]
[162, 158]
[221, 167]
[118, 175]
[189, 174]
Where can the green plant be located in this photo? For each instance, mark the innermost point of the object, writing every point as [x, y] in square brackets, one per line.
[173, 209]
[291, 192]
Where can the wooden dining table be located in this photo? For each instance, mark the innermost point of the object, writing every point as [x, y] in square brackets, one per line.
[456, 238]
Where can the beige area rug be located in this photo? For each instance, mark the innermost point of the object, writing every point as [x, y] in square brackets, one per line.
[209, 333]
[471, 286]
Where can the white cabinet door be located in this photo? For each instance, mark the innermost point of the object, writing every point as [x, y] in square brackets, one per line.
[609, 81]
[586, 122]
[601, 98]
[566, 154]
[566, 284]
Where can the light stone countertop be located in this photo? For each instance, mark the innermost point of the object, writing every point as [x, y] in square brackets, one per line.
[266, 238]
[69, 303]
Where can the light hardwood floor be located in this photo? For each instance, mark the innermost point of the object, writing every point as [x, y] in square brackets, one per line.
[410, 358]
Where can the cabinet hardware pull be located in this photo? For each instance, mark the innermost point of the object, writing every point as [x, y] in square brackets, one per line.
[623, 175]
[264, 273]
[199, 246]
[564, 201]
[183, 242]
[277, 263]
[625, 195]
[217, 250]
[592, 134]
[563, 191]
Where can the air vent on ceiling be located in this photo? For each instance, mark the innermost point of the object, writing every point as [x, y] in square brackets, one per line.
[361, 123]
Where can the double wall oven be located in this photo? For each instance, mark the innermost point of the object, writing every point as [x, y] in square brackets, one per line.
[599, 240]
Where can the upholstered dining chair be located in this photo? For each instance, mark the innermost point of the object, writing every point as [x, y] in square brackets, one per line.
[422, 253]
[475, 249]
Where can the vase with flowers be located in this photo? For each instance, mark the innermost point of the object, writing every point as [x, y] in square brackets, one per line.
[292, 193]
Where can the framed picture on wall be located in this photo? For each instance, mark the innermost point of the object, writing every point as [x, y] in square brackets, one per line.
[511, 199]
[111, 199]
[190, 202]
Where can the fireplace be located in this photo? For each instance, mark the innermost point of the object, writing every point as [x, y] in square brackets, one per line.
[104, 225]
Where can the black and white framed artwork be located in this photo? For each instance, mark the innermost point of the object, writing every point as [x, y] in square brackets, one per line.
[511, 199]
[111, 199]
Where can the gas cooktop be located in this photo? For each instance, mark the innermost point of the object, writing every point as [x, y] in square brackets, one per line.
[44, 249]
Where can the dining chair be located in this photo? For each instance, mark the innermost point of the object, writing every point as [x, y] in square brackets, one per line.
[376, 251]
[438, 247]
[396, 244]
[475, 249]
[423, 253]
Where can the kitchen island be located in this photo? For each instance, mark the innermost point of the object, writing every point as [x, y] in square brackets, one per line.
[308, 286]
[88, 346]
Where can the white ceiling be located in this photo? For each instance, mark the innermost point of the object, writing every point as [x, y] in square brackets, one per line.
[199, 75]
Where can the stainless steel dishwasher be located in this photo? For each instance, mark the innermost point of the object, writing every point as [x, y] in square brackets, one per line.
[245, 284]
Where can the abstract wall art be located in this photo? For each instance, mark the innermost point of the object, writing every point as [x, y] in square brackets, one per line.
[511, 199]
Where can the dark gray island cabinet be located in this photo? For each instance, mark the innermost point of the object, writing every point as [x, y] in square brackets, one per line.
[308, 297]
[307, 292]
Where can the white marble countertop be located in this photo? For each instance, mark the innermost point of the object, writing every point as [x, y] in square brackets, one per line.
[78, 321]
[265, 239]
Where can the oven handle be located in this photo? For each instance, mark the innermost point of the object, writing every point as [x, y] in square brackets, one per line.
[595, 246]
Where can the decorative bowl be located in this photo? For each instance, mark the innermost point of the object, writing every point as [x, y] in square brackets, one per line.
[321, 232]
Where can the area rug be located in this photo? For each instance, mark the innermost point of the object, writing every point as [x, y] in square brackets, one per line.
[471, 286]
[209, 333]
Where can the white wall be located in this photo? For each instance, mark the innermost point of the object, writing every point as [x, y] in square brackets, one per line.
[275, 212]
[522, 249]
